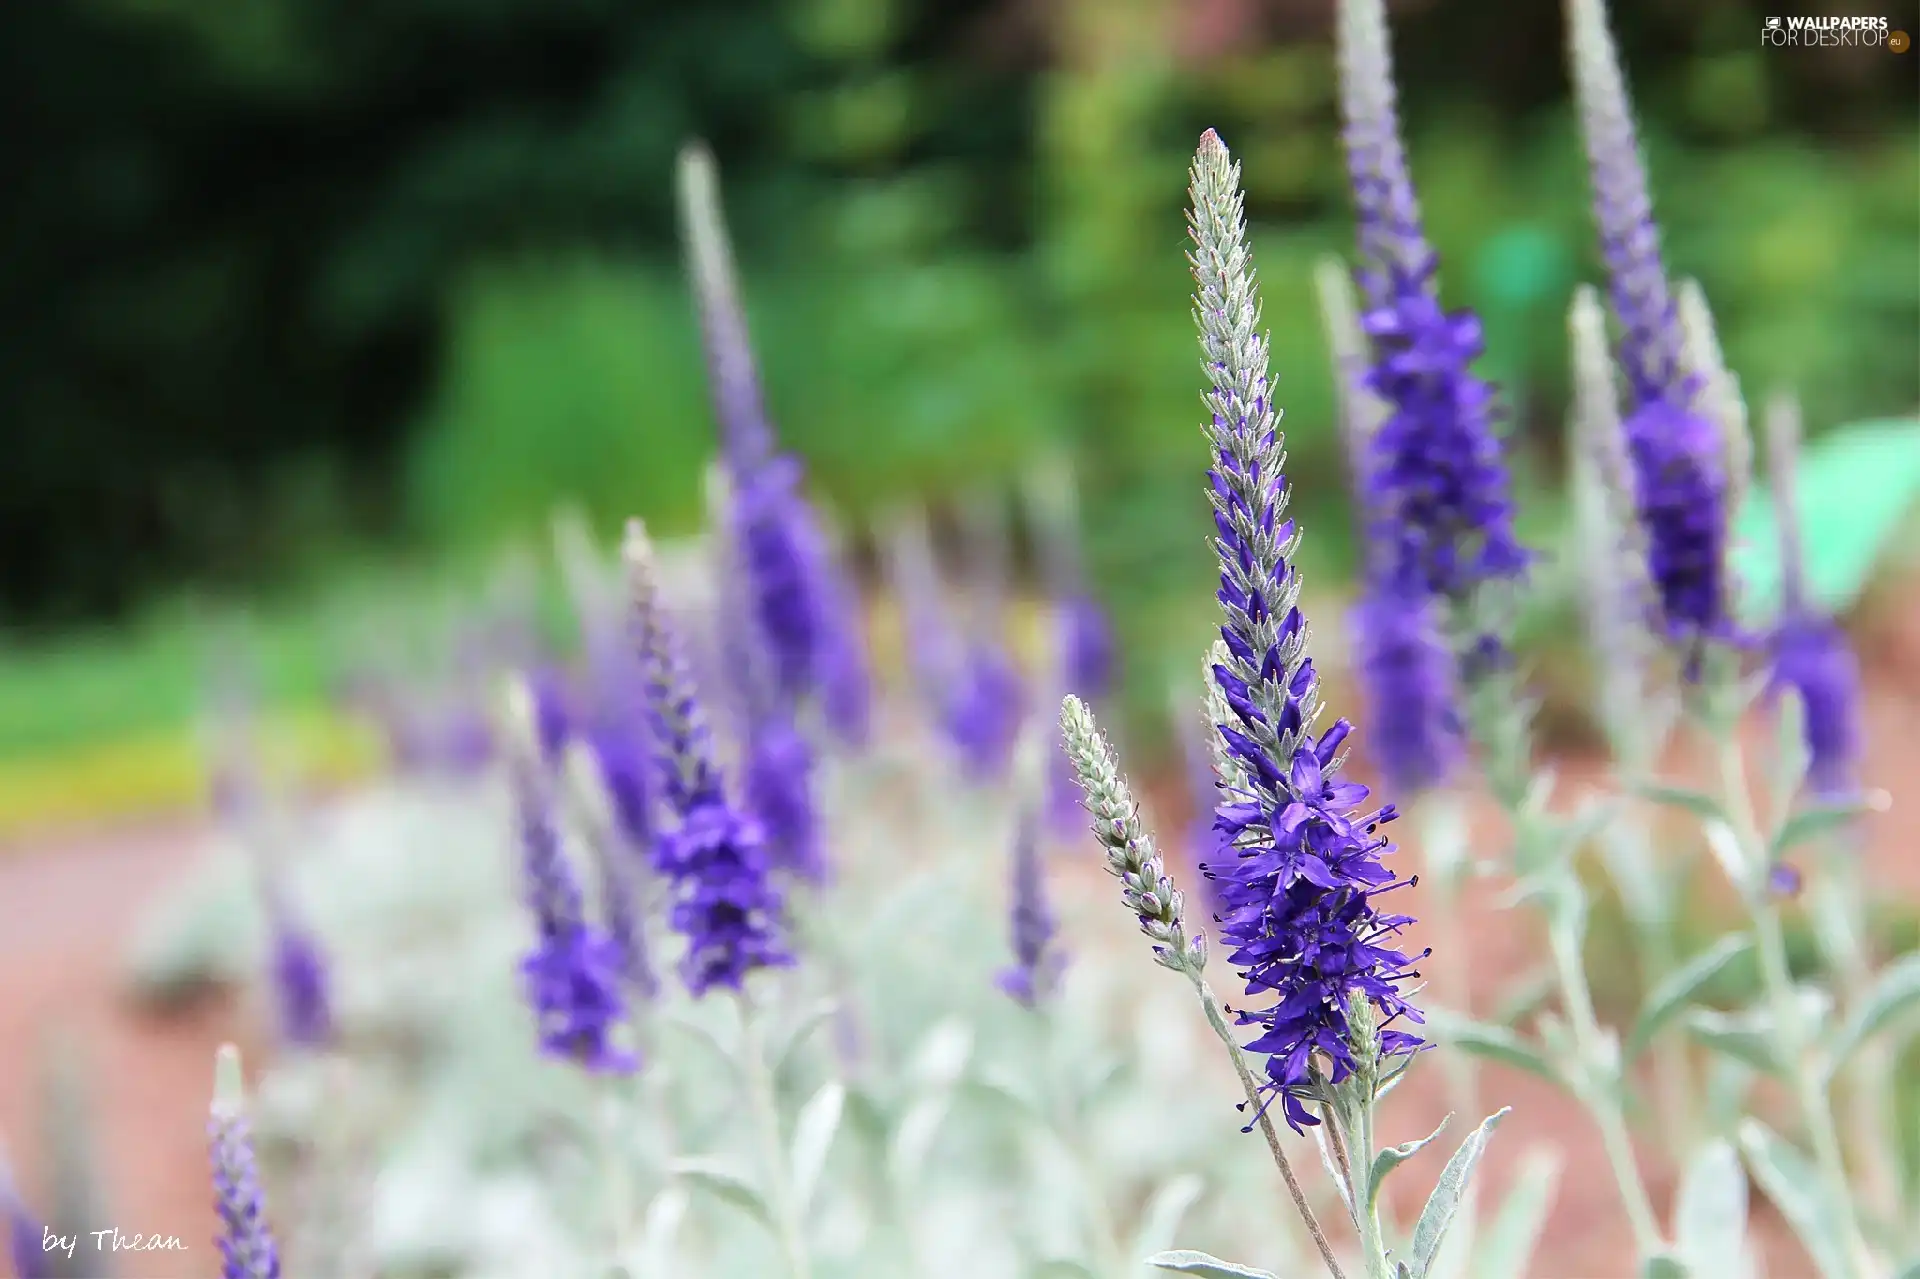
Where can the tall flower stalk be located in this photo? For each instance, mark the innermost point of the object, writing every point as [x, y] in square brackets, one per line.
[800, 603]
[246, 1243]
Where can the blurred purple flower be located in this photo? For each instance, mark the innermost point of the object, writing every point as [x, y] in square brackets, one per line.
[984, 710]
[724, 900]
[1088, 659]
[247, 1248]
[300, 984]
[799, 605]
[26, 1237]
[1409, 675]
[1676, 451]
[573, 974]
[1036, 965]
[1436, 481]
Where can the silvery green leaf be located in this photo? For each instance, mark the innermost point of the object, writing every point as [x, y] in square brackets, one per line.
[1796, 1191]
[724, 1181]
[1431, 1229]
[796, 1039]
[1185, 1261]
[1710, 1212]
[662, 1227]
[1443, 837]
[1726, 850]
[1340, 1186]
[1390, 1157]
[1663, 1265]
[914, 1136]
[1680, 987]
[1494, 1043]
[1790, 756]
[1728, 1084]
[1744, 1036]
[1164, 1213]
[1811, 821]
[1896, 990]
[1064, 1268]
[1910, 1270]
[1699, 803]
[1637, 875]
[1525, 998]
[813, 1133]
[1509, 1241]
[941, 1057]
[702, 1035]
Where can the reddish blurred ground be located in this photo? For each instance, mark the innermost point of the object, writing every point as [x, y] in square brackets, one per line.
[67, 907]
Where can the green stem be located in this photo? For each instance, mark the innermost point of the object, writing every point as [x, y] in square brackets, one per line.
[1815, 1113]
[1869, 1101]
[1602, 1097]
[786, 1214]
[1366, 1202]
[1218, 1021]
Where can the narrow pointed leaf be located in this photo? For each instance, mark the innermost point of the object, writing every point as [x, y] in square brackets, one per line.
[1710, 1215]
[727, 1184]
[1790, 1181]
[1524, 999]
[1340, 1187]
[1494, 1043]
[1896, 991]
[1164, 1213]
[1185, 1261]
[1431, 1229]
[1746, 1037]
[1507, 1249]
[817, 1016]
[1391, 1157]
[1814, 820]
[813, 1134]
[1699, 803]
[1681, 987]
[914, 1136]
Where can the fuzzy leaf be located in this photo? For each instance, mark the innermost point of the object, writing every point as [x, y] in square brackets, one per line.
[1340, 1187]
[1390, 1157]
[1508, 1247]
[1185, 1261]
[1746, 1037]
[1663, 1265]
[1710, 1215]
[941, 1057]
[1494, 1043]
[1431, 1229]
[1699, 803]
[914, 1136]
[1680, 987]
[813, 1134]
[725, 1182]
[1814, 820]
[1525, 998]
[1896, 990]
[1795, 1189]
[1164, 1212]
[817, 1016]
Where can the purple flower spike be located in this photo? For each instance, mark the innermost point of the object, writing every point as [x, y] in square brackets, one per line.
[1675, 449]
[724, 900]
[1088, 658]
[1436, 481]
[1036, 967]
[1810, 653]
[1410, 676]
[573, 974]
[247, 1249]
[301, 985]
[779, 791]
[800, 605]
[984, 711]
[552, 711]
[1300, 920]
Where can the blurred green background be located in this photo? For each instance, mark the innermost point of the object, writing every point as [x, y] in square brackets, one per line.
[313, 302]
